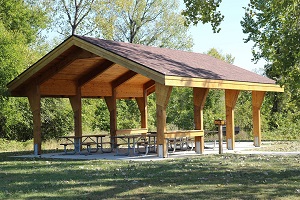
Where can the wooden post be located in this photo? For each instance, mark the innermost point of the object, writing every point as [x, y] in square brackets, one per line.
[220, 134]
[34, 98]
[142, 104]
[162, 97]
[257, 100]
[231, 97]
[199, 95]
[111, 103]
[77, 110]
[220, 124]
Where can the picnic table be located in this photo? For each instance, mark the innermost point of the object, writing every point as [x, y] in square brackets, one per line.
[85, 140]
[134, 139]
[130, 141]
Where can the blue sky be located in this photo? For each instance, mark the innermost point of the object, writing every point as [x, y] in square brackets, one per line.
[230, 39]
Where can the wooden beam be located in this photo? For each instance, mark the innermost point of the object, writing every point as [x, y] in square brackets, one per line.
[163, 94]
[199, 95]
[34, 98]
[111, 103]
[149, 87]
[149, 84]
[123, 79]
[220, 84]
[51, 71]
[151, 90]
[231, 97]
[96, 71]
[77, 110]
[162, 97]
[143, 107]
[257, 100]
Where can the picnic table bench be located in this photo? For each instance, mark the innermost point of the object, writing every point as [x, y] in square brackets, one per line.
[86, 140]
[182, 138]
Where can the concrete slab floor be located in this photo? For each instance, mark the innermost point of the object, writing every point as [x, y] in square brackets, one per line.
[210, 148]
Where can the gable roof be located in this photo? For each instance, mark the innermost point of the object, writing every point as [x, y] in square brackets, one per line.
[98, 66]
[169, 62]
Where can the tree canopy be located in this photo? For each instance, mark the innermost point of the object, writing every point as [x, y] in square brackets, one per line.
[204, 11]
[149, 22]
[274, 27]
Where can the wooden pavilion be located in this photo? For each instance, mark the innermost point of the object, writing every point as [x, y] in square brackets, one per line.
[84, 67]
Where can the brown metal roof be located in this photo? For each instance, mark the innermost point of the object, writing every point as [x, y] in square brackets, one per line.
[171, 62]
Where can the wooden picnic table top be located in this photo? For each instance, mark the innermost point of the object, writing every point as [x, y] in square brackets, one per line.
[83, 136]
[183, 133]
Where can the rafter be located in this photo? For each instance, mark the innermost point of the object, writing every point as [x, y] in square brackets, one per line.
[149, 87]
[149, 84]
[123, 78]
[76, 54]
[93, 73]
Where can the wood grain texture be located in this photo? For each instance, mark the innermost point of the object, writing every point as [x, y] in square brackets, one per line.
[231, 97]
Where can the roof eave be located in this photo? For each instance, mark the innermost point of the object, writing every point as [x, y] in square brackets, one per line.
[221, 84]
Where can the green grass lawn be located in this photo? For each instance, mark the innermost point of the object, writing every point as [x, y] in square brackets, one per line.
[225, 176]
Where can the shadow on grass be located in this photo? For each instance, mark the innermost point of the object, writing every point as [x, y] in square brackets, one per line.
[207, 176]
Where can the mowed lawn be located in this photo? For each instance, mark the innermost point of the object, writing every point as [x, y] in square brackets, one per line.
[227, 176]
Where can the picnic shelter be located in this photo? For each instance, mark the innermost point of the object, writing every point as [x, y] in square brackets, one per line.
[85, 67]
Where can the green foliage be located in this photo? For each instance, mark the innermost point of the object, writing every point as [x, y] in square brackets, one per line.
[22, 17]
[243, 113]
[287, 127]
[128, 114]
[227, 57]
[148, 22]
[214, 108]
[101, 120]
[20, 22]
[56, 117]
[274, 28]
[180, 108]
[180, 111]
[204, 11]
[152, 112]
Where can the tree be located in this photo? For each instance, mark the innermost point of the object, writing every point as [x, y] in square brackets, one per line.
[227, 57]
[148, 22]
[204, 11]
[23, 17]
[20, 26]
[274, 29]
[273, 26]
[73, 16]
